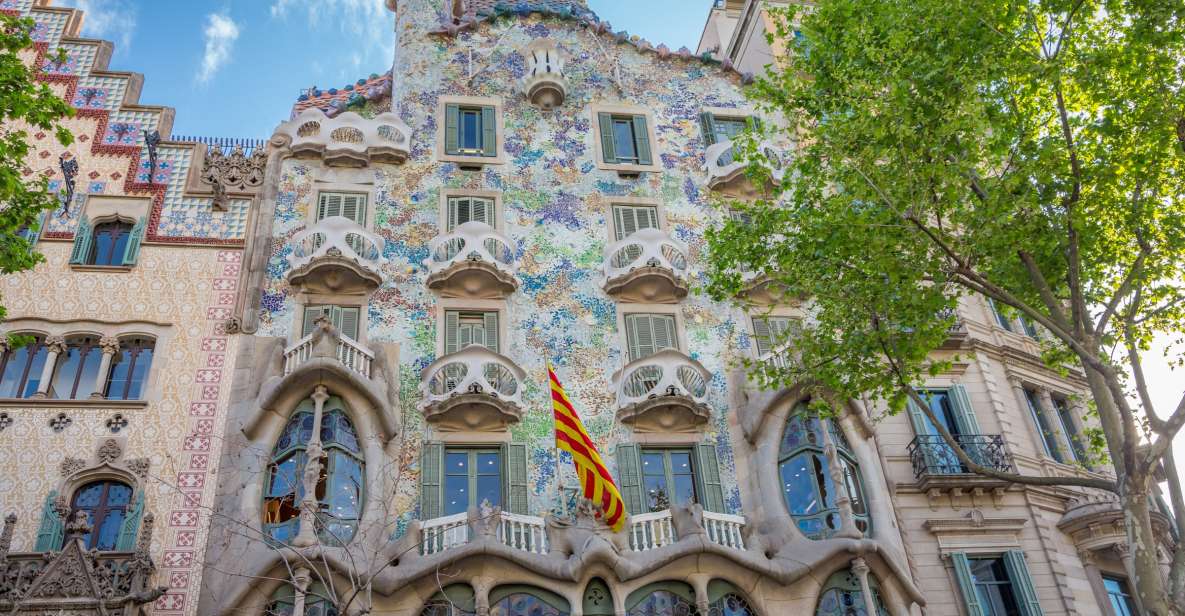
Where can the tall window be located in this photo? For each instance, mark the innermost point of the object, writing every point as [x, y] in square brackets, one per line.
[317, 601]
[469, 209]
[996, 585]
[668, 477]
[77, 370]
[770, 335]
[843, 596]
[110, 243]
[647, 334]
[629, 219]
[339, 489]
[471, 477]
[471, 130]
[106, 505]
[1001, 319]
[1121, 599]
[719, 129]
[1065, 415]
[803, 465]
[129, 369]
[20, 369]
[625, 139]
[466, 327]
[1047, 435]
[343, 318]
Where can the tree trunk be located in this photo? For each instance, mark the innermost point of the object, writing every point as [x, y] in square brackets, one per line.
[1147, 578]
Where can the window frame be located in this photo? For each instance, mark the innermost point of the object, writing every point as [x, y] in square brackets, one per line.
[138, 350]
[322, 302]
[1124, 593]
[471, 160]
[445, 305]
[103, 509]
[90, 350]
[651, 134]
[22, 382]
[668, 471]
[611, 213]
[853, 476]
[792, 316]
[624, 311]
[448, 194]
[472, 473]
[1042, 423]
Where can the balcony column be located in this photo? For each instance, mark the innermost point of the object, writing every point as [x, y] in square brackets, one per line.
[481, 596]
[109, 346]
[860, 568]
[300, 582]
[54, 346]
[700, 584]
[1055, 420]
[312, 474]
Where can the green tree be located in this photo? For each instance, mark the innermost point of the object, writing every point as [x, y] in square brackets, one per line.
[1029, 151]
[24, 103]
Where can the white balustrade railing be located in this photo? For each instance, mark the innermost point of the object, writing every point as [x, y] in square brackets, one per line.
[348, 136]
[350, 353]
[472, 241]
[651, 530]
[523, 532]
[645, 248]
[723, 163]
[667, 372]
[341, 234]
[473, 369]
[440, 534]
[725, 529]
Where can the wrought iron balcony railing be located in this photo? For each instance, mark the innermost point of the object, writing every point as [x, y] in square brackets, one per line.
[931, 455]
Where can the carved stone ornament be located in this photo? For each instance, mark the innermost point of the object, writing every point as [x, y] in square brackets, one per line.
[234, 172]
[109, 344]
[138, 466]
[69, 466]
[109, 451]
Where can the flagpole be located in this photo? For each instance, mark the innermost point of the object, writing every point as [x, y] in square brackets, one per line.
[559, 474]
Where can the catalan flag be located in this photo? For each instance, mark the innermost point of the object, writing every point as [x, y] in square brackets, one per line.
[595, 481]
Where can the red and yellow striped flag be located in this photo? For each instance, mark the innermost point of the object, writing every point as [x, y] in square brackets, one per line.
[595, 480]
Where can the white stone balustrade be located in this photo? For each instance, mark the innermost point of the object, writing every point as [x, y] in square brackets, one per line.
[440, 534]
[666, 373]
[645, 248]
[725, 529]
[348, 139]
[649, 531]
[527, 533]
[474, 388]
[473, 260]
[340, 238]
[350, 353]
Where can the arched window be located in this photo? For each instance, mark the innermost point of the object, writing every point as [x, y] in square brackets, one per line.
[77, 370]
[725, 600]
[106, 505]
[842, 596]
[662, 599]
[129, 369]
[806, 479]
[526, 601]
[339, 488]
[20, 369]
[109, 243]
[317, 601]
[454, 600]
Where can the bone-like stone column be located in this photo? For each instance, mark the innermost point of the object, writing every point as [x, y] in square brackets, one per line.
[860, 568]
[55, 346]
[843, 500]
[300, 581]
[312, 474]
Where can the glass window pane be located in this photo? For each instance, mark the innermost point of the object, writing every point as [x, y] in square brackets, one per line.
[89, 373]
[14, 369]
[652, 464]
[489, 489]
[284, 478]
[489, 464]
[345, 489]
[798, 485]
[623, 139]
[109, 529]
[456, 494]
[89, 496]
[140, 374]
[470, 137]
[33, 380]
[67, 368]
[684, 489]
[104, 248]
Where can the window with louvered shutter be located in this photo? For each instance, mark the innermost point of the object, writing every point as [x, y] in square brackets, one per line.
[625, 139]
[628, 219]
[349, 205]
[467, 209]
[769, 332]
[344, 318]
[647, 334]
[466, 327]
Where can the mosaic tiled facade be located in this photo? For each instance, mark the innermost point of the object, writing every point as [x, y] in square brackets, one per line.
[533, 182]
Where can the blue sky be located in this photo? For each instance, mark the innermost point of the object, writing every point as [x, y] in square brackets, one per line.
[234, 68]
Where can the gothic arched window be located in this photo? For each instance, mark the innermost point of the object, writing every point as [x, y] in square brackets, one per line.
[842, 596]
[129, 369]
[807, 485]
[106, 506]
[339, 490]
[526, 601]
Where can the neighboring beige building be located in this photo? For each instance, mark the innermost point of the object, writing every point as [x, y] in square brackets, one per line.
[347, 411]
[736, 30]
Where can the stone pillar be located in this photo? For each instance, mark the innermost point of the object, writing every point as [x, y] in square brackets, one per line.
[300, 582]
[861, 569]
[6, 537]
[54, 345]
[700, 583]
[843, 500]
[312, 474]
[481, 596]
[109, 346]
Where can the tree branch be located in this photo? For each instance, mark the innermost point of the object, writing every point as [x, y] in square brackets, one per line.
[1038, 279]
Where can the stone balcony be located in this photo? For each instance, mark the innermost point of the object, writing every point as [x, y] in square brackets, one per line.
[544, 83]
[665, 392]
[472, 389]
[473, 261]
[726, 172]
[938, 470]
[348, 139]
[351, 353]
[649, 531]
[646, 267]
[336, 255]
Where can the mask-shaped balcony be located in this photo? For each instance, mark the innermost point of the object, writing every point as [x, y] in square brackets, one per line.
[647, 267]
[348, 139]
[726, 170]
[544, 82]
[473, 261]
[665, 392]
[336, 255]
[472, 389]
[348, 351]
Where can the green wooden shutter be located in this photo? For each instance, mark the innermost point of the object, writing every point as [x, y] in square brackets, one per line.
[131, 525]
[642, 140]
[83, 236]
[347, 321]
[754, 123]
[331, 204]
[515, 455]
[707, 124]
[608, 150]
[481, 210]
[708, 473]
[966, 584]
[451, 326]
[917, 416]
[665, 336]
[762, 336]
[452, 123]
[489, 132]
[354, 208]
[639, 333]
[431, 469]
[491, 331]
[132, 251]
[33, 234]
[310, 317]
[52, 530]
[964, 412]
[1018, 574]
[629, 479]
[452, 218]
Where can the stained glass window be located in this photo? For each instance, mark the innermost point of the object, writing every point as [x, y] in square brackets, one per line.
[106, 505]
[526, 601]
[842, 596]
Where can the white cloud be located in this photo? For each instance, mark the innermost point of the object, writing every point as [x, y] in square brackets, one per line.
[221, 33]
[113, 20]
[366, 26]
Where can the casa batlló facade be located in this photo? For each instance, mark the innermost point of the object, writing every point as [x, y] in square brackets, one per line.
[308, 375]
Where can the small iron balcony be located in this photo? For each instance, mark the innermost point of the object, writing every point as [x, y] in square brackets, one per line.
[931, 455]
